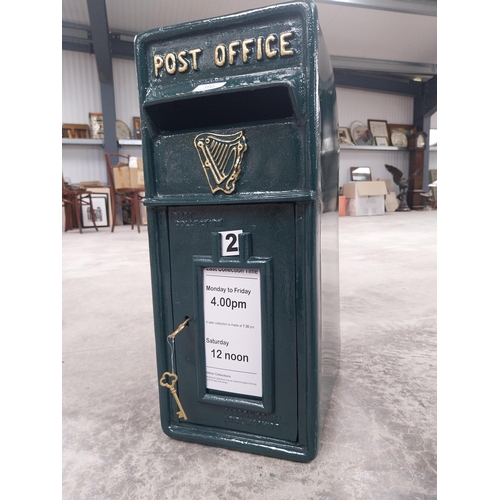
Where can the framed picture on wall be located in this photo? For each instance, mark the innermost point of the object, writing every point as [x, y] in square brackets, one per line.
[345, 137]
[378, 128]
[137, 127]
[96, 126]
[101, 214]
[361, 174]
[381, 141]
[400, 134]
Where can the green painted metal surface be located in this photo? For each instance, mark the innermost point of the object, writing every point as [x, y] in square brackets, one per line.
[239, 132]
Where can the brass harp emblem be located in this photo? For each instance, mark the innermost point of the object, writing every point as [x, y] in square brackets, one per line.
[221, 157]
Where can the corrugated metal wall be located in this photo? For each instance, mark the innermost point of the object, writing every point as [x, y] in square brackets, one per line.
[126, 94]
[359, 105]
[81, 95]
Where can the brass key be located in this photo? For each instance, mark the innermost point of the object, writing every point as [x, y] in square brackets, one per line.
[180, 413]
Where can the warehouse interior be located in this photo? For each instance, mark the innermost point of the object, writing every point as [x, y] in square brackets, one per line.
[380, 440]
[382, 425]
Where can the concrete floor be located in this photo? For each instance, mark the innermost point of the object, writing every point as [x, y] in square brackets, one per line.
[380, 435]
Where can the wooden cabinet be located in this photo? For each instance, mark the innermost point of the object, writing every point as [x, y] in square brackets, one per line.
[416, 148]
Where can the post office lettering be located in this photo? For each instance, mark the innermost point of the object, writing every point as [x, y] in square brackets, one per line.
[174, 63]
[272, 46]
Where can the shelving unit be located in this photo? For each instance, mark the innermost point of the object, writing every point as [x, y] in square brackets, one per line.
[99, 142]
[130, 142]
[138, 142]
[82, 142]
[372, 148]
[349, 156]
[379, 148]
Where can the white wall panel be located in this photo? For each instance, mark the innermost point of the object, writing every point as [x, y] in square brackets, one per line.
[360, 105]
[81, 94]
[87, 163]
[126, 93]
[434, 120]
[84, 163]
[433, 160]
[376, 160]
[433, 154]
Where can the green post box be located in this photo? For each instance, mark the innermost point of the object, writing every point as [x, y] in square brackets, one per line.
[240, 150]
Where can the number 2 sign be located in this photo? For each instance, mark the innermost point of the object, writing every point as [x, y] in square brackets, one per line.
[229, 242]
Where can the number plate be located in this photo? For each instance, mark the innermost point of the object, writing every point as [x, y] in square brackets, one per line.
[229, 242]
[233, 330]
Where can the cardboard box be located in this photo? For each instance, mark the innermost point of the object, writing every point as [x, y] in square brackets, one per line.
[365, 198]
[121, 175]
[388, 185]
[129, 175]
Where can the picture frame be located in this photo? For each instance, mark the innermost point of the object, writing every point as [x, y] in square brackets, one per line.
[75, 131]
[396, 133]
[101, 212]
[381, 141]
[378, 128]
[361, 174]
[345, 137]
[361, 134]
[122, 130]
[96, 126]
[137, 127]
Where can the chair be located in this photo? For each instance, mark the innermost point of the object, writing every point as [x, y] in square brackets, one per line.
[73, 200]
[124, 197]
[433, 187]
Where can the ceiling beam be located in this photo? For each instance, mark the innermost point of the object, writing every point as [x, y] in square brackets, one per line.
[430, 92]
[377, 83]
[100, 38]
[78, 38]
[76, 45]
[381, 66]
[422, 8]
[102, 50]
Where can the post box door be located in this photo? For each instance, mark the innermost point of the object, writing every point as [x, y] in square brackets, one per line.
[267, 402]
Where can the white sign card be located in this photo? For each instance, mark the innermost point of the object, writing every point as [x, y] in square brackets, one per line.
[229, 243]
[233, 330]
